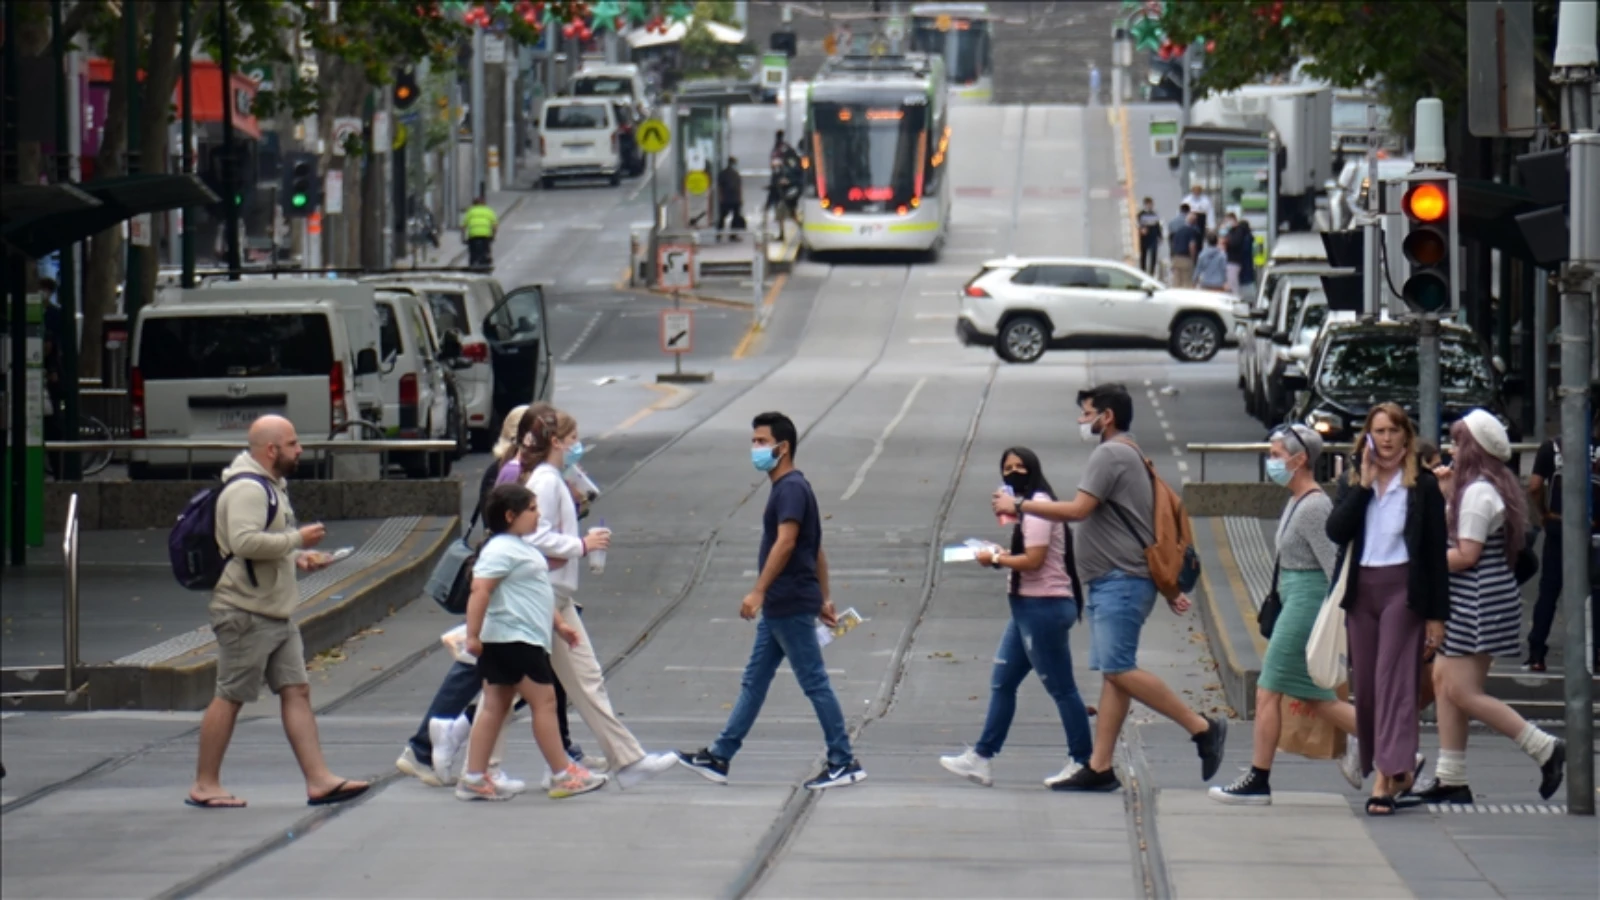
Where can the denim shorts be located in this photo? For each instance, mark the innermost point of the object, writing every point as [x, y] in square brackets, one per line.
[1118, 605]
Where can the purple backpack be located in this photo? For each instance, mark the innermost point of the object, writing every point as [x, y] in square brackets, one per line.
[197, 561]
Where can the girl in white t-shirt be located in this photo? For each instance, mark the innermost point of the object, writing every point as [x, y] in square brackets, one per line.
[1488, 522]
[1045, 600]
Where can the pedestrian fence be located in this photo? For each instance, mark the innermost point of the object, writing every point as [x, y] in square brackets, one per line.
[321, 453]
[20, 683]
[1336, 454]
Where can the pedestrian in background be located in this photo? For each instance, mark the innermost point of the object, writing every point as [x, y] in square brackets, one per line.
[730, 199]
[480, 225]
[1211, 267]
[252, 609]
[1544, 491]
[1116, 504]
[510, 623]
[1241, 250]
[1200, 205]
[1045, 599]
[1389, 520]
[1302, 568]
[1184, 241]
[1149, 237]
[1488, 523]
[791, 594]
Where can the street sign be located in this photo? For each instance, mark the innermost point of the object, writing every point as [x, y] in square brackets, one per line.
[494, 50]
[139, 230]
[344, 127]
[697, 182]
[1164, 138]
[675, 266]
[381, 141]
[677, 331]
[896, 29]
[333, 191]
[653, 135]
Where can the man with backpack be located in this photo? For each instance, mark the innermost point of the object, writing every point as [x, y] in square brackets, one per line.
[261, 546]
[1133, 540]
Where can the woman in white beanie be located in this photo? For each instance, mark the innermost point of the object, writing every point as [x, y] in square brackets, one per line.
[1488, 522]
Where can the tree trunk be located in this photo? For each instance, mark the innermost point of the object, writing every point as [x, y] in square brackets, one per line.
[155, 119]
[103, 269]
[343, 88]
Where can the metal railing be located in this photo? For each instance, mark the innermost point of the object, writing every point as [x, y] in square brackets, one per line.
[1337, 452]
[321, 451]
[69, 624]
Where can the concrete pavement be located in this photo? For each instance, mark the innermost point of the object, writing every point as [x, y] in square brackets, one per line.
[902, 434]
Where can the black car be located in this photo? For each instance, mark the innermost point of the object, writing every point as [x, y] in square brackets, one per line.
[1356, 365]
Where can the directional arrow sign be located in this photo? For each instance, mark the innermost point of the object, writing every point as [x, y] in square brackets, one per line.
[677, 331]
[653, 135]
[675, 267]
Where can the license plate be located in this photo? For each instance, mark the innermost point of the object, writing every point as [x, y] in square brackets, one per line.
[870, 229]
[241, 419]
[585, 146]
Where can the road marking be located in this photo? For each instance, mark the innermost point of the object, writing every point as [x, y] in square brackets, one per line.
[877, 448]
[600, 282]
[528, 226]
[1170, 437]
[583, 335]
[1177, 451]
[749, 338]
[783, 669]
[1183, 467]
[673, 397]
[833, 573]
[943, 293]
[1099, 193]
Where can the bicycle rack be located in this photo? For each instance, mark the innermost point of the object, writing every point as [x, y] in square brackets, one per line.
[36, 686]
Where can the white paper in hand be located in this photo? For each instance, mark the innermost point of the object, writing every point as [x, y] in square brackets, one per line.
[455, 640]
[846, 622]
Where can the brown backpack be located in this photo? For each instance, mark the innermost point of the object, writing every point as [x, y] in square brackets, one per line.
[1174, 565]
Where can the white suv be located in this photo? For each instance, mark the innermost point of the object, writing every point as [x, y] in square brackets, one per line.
[1024, 306]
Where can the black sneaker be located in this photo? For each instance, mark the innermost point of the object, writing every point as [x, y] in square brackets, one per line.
[1444, 793]
[1210, 744]
[1087, 779]
[838, 776]
[1552, 770]
[1534, 664]
[710, 767]
[1247, 790]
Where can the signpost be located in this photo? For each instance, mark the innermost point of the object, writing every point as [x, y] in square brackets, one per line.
[675, 271]
[697, 182]
[677, 331]
[653, 136]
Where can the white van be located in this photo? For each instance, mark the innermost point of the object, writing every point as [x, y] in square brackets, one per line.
[418, 403]
[614, 81]
[579, 137]
[207, 364]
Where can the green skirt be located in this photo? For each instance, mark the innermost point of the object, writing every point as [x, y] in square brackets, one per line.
[1284, 668]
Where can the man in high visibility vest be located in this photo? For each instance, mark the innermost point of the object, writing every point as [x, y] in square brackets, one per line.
[480, 224]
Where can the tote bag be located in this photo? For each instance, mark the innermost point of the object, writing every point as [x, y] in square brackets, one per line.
[1328, 649]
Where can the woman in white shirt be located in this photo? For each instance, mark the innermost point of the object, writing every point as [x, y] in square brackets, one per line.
[553, 442]
[1488, 522]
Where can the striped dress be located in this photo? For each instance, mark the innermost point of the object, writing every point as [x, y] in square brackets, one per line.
[1485, 603]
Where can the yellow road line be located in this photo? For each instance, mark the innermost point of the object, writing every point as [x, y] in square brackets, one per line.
[669, 393]
[749, 338]
[1129, 182]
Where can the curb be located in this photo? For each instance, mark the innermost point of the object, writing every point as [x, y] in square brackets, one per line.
[188, 681]
[1237, 669]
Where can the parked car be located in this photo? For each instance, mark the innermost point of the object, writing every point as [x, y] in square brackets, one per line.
[419, 401]
[1024, 306]
[1273, 337]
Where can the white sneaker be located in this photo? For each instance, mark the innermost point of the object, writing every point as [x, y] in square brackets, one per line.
[1066, 773]
[446, 746]
[594, 763]
[969, 765]
[505, 782]
[1350, 762]
[653, 764]
[480, 788]
[408, 764]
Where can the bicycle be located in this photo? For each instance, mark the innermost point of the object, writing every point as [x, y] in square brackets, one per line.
[93, 461]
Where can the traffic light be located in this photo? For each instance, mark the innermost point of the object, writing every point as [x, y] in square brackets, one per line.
[405, 89]
[1429, 208]
[301, 191]
[783, 42]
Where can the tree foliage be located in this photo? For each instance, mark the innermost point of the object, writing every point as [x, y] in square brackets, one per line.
[1407, 48]
[703, 54]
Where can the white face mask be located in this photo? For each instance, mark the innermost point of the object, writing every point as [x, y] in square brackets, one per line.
[1086, 431]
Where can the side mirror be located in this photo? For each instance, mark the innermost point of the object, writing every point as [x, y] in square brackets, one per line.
[450, 346]
[1499, 365]
[1148, 288]
[1299, 354]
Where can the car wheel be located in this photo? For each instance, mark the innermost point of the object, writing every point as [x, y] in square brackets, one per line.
[1196, 338]
[1022, 340]
[547, 182]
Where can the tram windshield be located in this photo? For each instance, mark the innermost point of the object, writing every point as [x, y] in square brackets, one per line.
[963, 43]
[871, 156]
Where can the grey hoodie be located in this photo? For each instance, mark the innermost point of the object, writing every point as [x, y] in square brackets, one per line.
[271, 547]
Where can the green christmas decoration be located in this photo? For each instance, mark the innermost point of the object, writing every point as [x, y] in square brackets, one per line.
[638, 12]
[455, 6]
[1147, 34]
[679, 12]
[605, 14]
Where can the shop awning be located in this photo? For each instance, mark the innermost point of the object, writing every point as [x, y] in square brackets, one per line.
[207, 94]
[58, 223]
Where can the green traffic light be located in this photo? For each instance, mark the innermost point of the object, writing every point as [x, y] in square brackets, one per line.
[298, 200]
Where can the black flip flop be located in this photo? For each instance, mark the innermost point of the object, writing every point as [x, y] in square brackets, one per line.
[1378, 807]
[339, 795]
[215, 802]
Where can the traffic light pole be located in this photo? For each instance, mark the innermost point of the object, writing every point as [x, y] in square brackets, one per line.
[1428, 393]
[230, 168]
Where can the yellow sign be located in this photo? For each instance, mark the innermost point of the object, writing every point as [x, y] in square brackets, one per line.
[653, 135]
[400, 135]
[697, 183]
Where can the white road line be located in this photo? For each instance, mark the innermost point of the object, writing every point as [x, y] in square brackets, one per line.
[597, 282]
[583, 335]
[877, 449]
[1177, 451]
[944, 293]
[528, 226]
[832, 573]
[1183, 466]
[784, 669]
[1170, 437]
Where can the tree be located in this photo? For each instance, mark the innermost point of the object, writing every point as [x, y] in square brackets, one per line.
[1411, 49]
[703, 54]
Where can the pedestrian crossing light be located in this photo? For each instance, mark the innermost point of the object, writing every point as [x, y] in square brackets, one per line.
[405, 89]
[1429, 243]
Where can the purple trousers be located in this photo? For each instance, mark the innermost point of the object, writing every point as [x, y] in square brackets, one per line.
[1386, 658]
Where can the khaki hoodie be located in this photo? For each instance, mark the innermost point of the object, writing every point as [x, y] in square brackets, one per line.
[243, 532]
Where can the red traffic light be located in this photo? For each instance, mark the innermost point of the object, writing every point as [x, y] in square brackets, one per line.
[1427, 202]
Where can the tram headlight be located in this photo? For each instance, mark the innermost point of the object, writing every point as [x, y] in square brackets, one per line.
[902, 210]
[916, 202]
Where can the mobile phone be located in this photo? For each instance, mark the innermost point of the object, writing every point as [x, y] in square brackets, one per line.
[341, 553]
[1371, 445]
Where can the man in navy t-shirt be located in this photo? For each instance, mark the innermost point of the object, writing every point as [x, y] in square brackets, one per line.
[790, 595]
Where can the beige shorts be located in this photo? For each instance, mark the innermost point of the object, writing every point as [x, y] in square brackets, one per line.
[252, 647]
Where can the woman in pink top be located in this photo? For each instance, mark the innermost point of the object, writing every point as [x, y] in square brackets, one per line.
[1045, 602]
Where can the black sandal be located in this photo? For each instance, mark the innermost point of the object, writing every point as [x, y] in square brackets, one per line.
[1380, 806]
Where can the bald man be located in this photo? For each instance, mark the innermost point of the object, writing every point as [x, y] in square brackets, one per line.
[251, 610]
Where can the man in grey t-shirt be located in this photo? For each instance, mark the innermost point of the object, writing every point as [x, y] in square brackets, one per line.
[1115, 506]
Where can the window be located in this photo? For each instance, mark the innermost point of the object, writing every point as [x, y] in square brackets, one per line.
[1297, 299]
[1118, 279]
[602, 86]
[577, 117]
[1385, 367]
[420, 338]
[519, 318]
[1067, 277]
[450, 311]
[235, 346]
[873, 153]
[389, 345]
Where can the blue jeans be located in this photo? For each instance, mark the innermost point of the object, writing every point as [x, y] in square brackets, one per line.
[1035, 640]
[1118, 605]
[794, 638]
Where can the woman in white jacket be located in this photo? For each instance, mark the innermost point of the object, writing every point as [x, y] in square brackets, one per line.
[555, 445]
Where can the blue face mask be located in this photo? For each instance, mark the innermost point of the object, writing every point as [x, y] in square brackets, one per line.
[1278, 471]
[763, 459]
[573, 454]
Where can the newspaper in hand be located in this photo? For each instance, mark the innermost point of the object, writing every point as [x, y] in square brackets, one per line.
[967, 550]
[844, 624]
[455, 640]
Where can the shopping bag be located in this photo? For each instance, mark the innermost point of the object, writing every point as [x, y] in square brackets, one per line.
[1328, 650]
[1307, 734]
